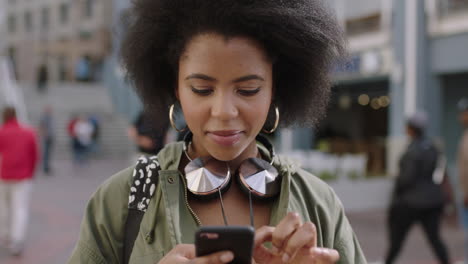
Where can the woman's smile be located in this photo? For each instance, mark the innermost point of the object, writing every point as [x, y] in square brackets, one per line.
[225, 137]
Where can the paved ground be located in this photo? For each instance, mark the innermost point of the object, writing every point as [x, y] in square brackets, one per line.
[371, 231]
[59, 200]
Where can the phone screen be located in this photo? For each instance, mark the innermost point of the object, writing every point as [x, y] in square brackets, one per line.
[238, 239]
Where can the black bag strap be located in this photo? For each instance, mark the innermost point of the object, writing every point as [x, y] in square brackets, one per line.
[145, 180]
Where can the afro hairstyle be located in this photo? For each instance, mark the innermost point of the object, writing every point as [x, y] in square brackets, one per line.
[302, 37]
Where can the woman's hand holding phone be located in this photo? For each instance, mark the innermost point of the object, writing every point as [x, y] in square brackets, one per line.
[184, 253]
[292, 242]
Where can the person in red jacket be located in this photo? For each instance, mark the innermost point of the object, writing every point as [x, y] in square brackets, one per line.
[18, 160]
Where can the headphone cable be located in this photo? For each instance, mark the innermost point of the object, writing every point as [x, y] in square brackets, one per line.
[222, 207]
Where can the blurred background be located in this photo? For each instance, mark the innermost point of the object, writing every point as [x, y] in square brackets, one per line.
[404, 56]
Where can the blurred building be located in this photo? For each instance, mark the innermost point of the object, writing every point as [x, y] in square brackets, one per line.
[2, 26]
[70, 37]
[405, 55]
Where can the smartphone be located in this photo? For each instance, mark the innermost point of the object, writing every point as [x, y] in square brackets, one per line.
[237, 239]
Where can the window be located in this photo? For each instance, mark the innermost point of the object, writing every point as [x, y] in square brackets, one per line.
[28, 21]
[363, 25]
[64, 13]
[85, 35]
[11, 23]
[89, 8]
[457, 4]
[447, 7]
[62, 67]
[45, 18]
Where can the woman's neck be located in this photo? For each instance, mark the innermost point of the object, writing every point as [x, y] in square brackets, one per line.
[251, 151]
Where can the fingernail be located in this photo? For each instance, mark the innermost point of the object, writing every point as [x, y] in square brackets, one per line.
[319, 251]
[285, 258]
[227, 257]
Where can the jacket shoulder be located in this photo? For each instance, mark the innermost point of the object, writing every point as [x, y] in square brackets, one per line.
[314, 188]
[304, 182]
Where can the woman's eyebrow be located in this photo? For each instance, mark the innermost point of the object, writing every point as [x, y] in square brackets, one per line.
[248, 78]
[200, 76]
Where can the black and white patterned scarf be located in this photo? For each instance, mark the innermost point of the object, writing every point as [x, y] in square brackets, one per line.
[145, 179]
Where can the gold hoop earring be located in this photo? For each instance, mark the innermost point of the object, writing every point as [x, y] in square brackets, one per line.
[171, 119]
[276, 122]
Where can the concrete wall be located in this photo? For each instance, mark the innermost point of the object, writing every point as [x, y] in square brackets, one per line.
[361, 8]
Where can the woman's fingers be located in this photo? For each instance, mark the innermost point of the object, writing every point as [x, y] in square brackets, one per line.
[305, 236]
[263, 234]
[300, 246]
[215, 258]
[284, 230]
[185, 250]
[325, 255]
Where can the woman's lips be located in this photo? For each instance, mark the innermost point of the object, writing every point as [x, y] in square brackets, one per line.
[225, 137]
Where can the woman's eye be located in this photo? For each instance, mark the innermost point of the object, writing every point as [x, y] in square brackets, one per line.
[201, 91]
[248, 92]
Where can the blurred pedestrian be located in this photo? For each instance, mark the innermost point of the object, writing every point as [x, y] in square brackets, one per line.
[46, 130]
[18, 160]
[416, 197]
[94, 121]
[463, 167]
[83, 69]
[72, 136]
[149, 136]
[42, 78]
[83, 132]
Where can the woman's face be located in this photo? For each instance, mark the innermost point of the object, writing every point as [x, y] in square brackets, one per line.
[225, 90]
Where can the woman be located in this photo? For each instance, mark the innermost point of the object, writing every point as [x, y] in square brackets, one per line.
[231, 67]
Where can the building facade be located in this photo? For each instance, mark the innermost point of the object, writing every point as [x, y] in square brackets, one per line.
[71, 38]
[2, 26]
[404, 56]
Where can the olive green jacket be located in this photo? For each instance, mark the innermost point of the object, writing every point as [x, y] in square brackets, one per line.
[168, 220]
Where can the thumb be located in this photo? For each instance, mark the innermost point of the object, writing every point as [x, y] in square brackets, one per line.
[325, 255]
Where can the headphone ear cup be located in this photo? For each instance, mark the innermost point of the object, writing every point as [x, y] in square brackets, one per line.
[213, 194]
[256, 195]
[246, 189]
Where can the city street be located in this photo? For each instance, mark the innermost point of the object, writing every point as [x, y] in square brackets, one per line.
[58, 203]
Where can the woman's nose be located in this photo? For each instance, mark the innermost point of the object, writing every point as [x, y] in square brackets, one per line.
[224, 107]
